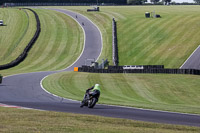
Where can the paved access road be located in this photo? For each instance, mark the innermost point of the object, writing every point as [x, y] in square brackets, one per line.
[25, 90]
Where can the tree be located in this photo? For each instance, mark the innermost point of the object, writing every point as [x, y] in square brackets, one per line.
[197, 1]
[136, 2]
[154, 1]
[166, 2]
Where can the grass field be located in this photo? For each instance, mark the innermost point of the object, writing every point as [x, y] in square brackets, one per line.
[20, 26]
[168, 40]
[18, 120]
[59, 44]
[179, 93]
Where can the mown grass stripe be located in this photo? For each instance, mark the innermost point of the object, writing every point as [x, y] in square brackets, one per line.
[56, 44]
[13, 48]
[181, 34]
[10, 42]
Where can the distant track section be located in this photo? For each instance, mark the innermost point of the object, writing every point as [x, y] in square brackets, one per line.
[23, 55]
[193, 62]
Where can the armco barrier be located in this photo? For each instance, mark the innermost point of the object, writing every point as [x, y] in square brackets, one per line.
[144, 66]
[23, 55]
[119, 69]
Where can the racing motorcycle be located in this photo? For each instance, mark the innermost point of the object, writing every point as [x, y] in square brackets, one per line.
[90, 99]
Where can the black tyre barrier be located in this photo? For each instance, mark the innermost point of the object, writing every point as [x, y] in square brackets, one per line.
[23, 55]
[1, 78]
[96, 9]
[150, 70]
[114, 43]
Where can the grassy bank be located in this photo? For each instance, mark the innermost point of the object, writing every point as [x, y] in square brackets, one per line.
[19, 28]
[18, 120]
[179, 93]
[59, 44]
[168, 40]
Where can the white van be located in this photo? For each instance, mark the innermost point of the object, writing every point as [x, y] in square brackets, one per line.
[1, 22]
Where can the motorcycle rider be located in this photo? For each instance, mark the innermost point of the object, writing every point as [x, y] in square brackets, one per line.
[94, 90]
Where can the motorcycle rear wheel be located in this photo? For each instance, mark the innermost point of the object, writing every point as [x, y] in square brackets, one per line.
[92, 102]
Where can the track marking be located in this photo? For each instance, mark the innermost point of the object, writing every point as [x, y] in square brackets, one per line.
[81, 53]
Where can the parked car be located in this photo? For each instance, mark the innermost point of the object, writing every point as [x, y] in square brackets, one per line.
[1, 22]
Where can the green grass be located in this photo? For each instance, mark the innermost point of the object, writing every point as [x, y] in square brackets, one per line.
[58, 46]
[170, 43]
[20, 28]
[179, 93]
[19, 120]
[169, 40]
[103, 21]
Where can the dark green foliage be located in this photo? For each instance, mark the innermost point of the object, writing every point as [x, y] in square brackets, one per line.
[136, 2]
[167, 2]
[63, 1]
[197, 1]
[154, 1]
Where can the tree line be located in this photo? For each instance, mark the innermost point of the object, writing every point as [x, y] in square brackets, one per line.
[166, 2]
[121, 2]
[64, 1]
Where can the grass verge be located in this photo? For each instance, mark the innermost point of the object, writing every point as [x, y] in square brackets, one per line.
[179, 93]
[19, 120]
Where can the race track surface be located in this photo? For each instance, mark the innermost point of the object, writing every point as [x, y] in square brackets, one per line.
[193, 62]
[24, 89]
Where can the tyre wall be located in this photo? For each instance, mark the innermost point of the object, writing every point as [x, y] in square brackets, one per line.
[23, 55]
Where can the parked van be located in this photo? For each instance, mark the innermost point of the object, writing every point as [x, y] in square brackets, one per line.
[1, 22]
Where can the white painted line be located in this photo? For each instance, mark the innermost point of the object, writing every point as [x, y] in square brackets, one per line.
[99, 32]
[190, 56]
[83, 44]
[79, 56]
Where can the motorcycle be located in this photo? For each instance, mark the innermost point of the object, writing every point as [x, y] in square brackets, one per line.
[90, 99]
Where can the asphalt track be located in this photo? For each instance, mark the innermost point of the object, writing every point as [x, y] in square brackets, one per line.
[25, 90]
[193, 62]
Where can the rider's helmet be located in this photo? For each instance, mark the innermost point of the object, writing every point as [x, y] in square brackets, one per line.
[96, 84]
